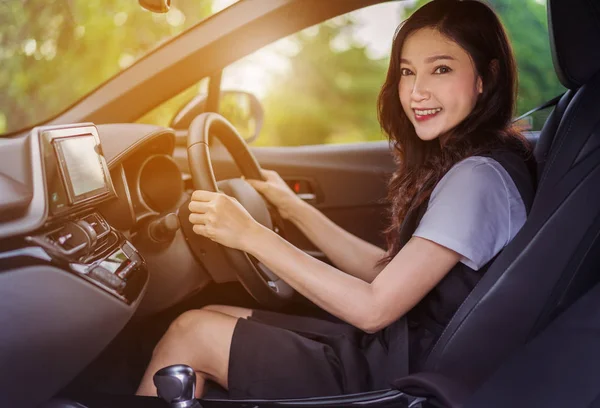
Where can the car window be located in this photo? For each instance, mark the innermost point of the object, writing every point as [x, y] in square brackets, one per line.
[320, 86]
[164, 113]
[54, 52]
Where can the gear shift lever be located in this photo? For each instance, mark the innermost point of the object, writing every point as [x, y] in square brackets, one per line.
[176, 384]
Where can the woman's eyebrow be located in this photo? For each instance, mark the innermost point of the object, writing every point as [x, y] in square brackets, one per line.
[439, 57]
[431, 59]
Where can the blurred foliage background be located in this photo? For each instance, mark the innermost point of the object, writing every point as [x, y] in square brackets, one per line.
[54, 52]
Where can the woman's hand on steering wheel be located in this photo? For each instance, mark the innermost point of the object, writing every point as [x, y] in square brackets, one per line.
[236, 225]
[276, 191]
[222, 219]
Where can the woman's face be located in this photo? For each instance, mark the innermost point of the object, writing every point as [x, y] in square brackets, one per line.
[439, 84]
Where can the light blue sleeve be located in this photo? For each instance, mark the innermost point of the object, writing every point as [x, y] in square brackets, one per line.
[475, 210]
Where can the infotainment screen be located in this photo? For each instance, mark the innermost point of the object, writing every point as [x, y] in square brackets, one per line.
[81, 166]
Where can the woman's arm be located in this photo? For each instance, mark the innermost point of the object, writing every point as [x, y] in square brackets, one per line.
[466, 218]
[471, 216]
[413, 272]
[348, 252]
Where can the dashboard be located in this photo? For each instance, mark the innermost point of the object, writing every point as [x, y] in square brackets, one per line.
[88, 238]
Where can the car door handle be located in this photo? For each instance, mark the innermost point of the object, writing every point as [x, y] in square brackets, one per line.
[305, 188]
[308, 197]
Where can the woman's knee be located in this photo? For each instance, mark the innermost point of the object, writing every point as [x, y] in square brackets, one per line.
[184, 331]
[199, 329]
[191, 323]
[201, 338]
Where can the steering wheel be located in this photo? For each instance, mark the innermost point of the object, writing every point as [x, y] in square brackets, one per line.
[258, 280]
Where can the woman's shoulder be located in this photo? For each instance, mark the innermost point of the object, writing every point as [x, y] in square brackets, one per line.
[480, 181]
[474, 210]
[478, 173]
[476, 163]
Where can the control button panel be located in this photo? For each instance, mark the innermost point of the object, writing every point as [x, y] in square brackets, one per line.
[107, 278]
[122, 272]
[69, 240]
[76, 239]
[127, 270]
[91, 249]
[98, 223]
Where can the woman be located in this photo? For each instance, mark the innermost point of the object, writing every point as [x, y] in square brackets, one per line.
[461, 192]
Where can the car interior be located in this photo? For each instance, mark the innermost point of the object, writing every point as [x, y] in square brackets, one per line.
[97, 255]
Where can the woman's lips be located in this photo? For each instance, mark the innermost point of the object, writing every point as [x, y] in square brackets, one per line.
[425, 114]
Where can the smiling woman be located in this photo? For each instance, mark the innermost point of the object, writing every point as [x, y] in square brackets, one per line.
[41, 44]
[447, 87]
[461, 191]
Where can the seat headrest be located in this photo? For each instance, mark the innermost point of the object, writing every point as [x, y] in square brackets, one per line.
[574, 27]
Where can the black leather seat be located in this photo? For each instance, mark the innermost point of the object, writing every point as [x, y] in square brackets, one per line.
[555, 258]
[559, 368]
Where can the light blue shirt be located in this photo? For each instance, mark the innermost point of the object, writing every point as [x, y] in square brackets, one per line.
[475, 210]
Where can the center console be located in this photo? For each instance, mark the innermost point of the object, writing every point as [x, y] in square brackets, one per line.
[88, 247]
[74, 236]
[69, 281]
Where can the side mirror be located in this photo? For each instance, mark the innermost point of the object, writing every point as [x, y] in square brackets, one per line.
[242, 109]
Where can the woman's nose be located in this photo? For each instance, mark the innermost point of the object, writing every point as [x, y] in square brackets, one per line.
[420, 90]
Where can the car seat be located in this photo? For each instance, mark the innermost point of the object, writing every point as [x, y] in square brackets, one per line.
[555, 257]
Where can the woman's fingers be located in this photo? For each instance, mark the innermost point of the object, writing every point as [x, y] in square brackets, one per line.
[257, 184]
[270, 175]
[203, 230]
[199, 206]
[202, 201]
[203, 195]
[198, 218]
[222, 219]
[199, 229]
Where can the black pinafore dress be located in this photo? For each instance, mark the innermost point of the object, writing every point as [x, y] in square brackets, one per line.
[275, 356]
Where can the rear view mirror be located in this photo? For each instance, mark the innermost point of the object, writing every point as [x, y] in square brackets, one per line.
[241, 108]
[156, 6]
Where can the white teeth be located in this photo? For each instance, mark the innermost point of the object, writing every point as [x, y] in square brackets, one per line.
[427, 111]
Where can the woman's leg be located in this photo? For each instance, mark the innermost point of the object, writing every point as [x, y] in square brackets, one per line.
[198, 338]
[232, 311]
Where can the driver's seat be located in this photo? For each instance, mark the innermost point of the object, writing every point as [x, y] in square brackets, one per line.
[555, 257]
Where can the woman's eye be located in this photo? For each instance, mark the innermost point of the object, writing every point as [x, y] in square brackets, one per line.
[405, 72]
[442, 69]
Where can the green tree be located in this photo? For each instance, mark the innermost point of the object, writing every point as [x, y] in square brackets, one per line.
[327, 95]
[54, 52]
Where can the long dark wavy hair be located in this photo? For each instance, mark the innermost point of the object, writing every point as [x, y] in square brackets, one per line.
[421, 164]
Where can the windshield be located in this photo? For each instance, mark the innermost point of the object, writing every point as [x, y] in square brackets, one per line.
[54, 52]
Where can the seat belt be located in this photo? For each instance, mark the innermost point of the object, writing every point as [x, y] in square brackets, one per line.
[551, 102]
